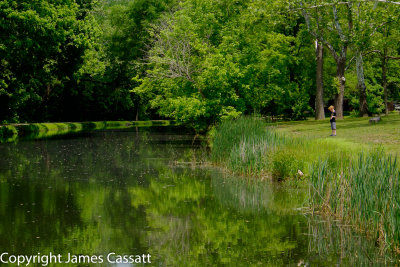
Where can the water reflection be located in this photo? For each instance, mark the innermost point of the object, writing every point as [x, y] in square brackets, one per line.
[147, 192]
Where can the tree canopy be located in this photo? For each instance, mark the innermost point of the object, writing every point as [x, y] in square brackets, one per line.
[197, 62]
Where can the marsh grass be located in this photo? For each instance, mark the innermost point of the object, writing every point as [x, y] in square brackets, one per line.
[245, 146]
[250, 146]
[358, 184]
[363, 190]
[328, 235]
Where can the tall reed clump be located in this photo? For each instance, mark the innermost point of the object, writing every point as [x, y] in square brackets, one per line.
[248, 146]
[363, 190]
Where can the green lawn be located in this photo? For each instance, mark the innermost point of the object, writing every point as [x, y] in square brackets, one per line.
[352, 131]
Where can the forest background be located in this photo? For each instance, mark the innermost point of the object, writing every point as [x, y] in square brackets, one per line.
[196, 61]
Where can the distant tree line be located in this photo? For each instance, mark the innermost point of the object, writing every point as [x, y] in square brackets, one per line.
[73, 60]
[196, 61]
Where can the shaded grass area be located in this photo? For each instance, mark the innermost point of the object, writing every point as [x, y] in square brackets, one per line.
[355, 182]
[10, 133]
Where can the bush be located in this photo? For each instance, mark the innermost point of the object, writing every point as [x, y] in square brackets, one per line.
[284, 164]
[354, 113]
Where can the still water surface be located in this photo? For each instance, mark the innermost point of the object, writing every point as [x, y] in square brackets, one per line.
[149, 192]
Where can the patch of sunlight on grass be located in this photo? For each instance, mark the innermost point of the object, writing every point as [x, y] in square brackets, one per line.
[351, 132]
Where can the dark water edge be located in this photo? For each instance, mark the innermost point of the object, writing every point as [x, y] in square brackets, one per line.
[150, 192]
[32, 131]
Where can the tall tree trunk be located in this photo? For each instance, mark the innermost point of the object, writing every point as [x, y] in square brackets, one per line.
[319, 95]
[339, 56]
[340, 70]
[384, 79]
[362, 88]
[137, 107]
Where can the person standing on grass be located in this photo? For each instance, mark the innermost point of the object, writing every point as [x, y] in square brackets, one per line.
[333, 120]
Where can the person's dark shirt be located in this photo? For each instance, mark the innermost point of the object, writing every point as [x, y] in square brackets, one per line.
[334, 118]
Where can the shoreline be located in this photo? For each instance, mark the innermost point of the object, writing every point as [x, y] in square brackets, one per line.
[13, 132]
[353, 183]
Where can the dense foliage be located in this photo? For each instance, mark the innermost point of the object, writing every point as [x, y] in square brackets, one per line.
[40, 49]
[239, 58]
[198, 62]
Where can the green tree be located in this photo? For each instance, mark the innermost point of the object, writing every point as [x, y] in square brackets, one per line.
[41, 48]
[235, 59]
[124, 40]
[386, 44]
[362, 20]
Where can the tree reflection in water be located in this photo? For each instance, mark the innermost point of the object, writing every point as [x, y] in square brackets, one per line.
[139, 193]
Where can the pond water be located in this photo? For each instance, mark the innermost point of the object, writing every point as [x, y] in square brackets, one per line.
[149, 194]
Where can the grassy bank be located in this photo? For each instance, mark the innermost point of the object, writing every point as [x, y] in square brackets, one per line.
[247, 146]
[357, 131]
[355, 182]
[11, 132]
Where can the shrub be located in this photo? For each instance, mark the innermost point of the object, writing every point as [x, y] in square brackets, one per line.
[284, 164]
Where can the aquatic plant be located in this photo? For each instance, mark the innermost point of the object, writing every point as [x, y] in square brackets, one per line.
[363, 190]
[245, 145]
